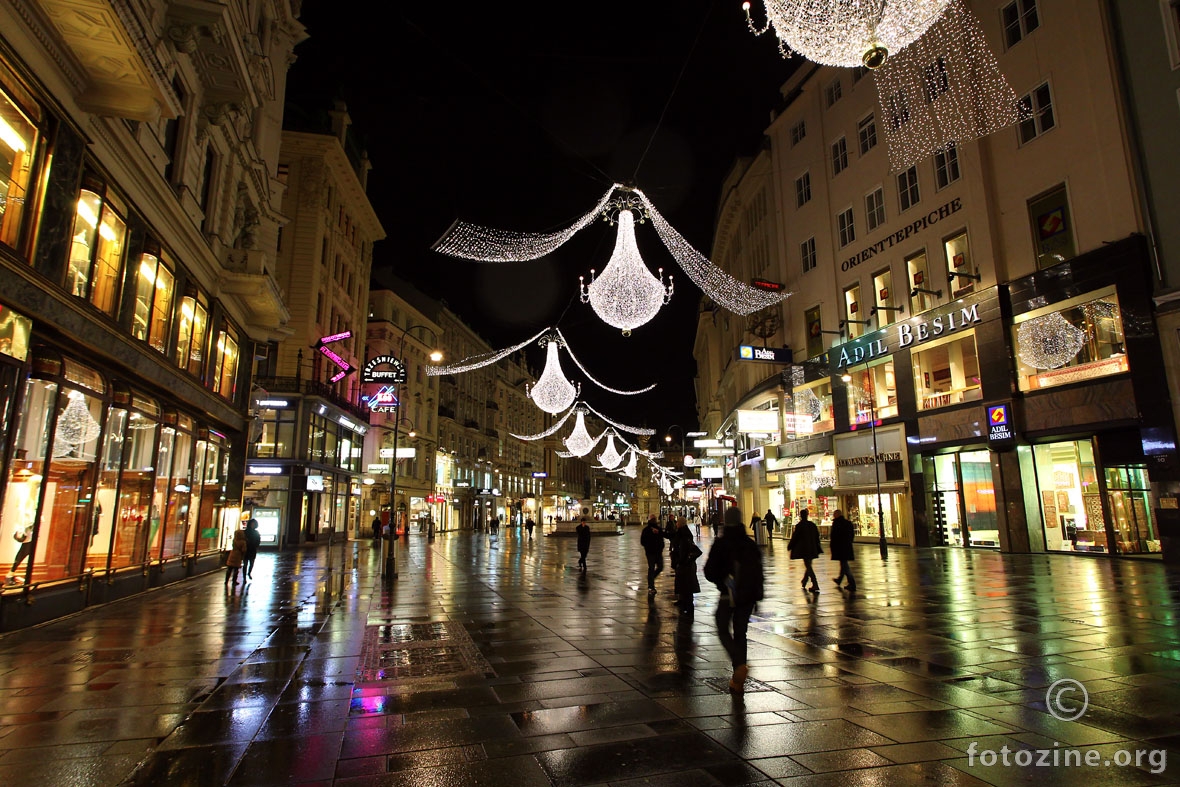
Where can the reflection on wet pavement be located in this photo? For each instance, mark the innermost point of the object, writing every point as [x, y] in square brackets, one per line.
[501, 664]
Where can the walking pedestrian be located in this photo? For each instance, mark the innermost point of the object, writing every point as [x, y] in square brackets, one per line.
[734, 565]
[804, 545]
[375, 526]
[529, 524]
[755, 526]
[840, 541]
[237, 554]
[771, 522]
[583, 531]
[670, 537]
[652, 541]
[253, 541]
[687, 553]
[715, 522]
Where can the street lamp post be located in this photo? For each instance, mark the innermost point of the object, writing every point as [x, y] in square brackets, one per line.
[847, 378]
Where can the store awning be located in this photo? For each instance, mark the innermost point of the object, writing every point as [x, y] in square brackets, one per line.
[798, 464]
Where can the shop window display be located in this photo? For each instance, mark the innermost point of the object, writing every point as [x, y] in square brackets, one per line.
[277, 438]
[210, 463]
[861, 511]
[154, 284]
[96, 252]
[961, 499]
[872, 391]
[18, 149]
[26, 476]
[1129, 497]
[812, 409]
[225, 369]
[958, 261]
[923, 294]
[134, 508]
[947, 372]
[178, 490]
[1071, 341]
[1070, 498]
[190, 340]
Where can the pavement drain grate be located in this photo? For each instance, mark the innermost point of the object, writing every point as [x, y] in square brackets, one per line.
[722, 685]
[419, 651]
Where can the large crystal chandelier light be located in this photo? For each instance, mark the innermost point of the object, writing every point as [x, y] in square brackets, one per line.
[1048, 342]
[848, 33]
[552, 392]
[610, 457]
[580, 443]
[626, 294]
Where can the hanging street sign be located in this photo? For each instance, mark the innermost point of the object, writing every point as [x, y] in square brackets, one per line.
[748, 352]
[768, 285]
[395, 374]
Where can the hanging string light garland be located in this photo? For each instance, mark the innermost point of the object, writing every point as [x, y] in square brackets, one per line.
[483, 359]
[483, 244]
[1048, 342]
[944, 89]
[603, 386]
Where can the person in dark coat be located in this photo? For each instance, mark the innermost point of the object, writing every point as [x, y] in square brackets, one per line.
[734, 565]
[670, 535]
[771, 522]
[375, 526]
[687, 553]
[804, 545]
[652, 541]
[529, 524]
[583, 531]
[840, 542]
[253, 541]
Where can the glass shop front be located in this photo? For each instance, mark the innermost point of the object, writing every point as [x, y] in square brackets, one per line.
[872, 483]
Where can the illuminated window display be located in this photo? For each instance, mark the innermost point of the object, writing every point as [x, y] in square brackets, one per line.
[1131, 504]
[154, 283]
[961, 499]
[177, 491]
[225, 363]
[853, 313]
[210, 464]
[136, 518]
[883, 291]
[18, 148]
[919, 279]
[191, 333]
[946, 372]
[871, 467]
[1070, 341]
[958, 260]
[812, 408]
[96, 252]
[277, 439]
[872, 391]
[1071, 501]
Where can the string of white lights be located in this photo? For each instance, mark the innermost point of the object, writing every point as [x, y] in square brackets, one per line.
[848, 33]
[550, 430]
[590, 377]
[623, 427]
[724, 289]
[481, 360]
[944, 89]
[485, 244]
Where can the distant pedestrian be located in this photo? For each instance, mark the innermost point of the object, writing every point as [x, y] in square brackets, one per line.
[687, 553]
[529, 524]
[695, 520]
[253, 541]
[237, 554]
[804, 545]
[583, 531]
[375, 526]
[652, 541]
[755, 526]
[734, 565]
[494, 526]
[771, 522]
[670, 537]
[715, 522]
[840, 542]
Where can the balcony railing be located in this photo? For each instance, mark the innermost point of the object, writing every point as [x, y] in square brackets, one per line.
[293, 385]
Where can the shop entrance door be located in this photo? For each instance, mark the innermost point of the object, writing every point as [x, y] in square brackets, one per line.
[961, 499]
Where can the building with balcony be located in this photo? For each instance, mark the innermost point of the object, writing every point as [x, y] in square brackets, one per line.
[139, 211]
[975, 357]
[305, 464]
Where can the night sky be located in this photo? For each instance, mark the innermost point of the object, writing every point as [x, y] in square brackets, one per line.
[519, 116]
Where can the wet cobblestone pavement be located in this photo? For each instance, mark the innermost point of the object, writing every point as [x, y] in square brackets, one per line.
[499, 663]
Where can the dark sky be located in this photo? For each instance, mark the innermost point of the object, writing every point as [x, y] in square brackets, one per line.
[520, 115]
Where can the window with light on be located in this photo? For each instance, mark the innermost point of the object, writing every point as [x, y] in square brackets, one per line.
[1070, 341]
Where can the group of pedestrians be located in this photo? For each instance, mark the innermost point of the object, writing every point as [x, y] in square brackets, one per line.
[242, 553]
[805, 545]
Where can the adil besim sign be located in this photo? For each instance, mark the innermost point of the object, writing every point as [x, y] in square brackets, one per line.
[962, 313]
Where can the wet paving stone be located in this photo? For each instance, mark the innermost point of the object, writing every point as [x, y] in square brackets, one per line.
[585, 680]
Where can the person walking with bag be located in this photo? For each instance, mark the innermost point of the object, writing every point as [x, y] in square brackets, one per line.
[771, 522]
[804, 545]
[734, 565]
[237, 554]
[687, 553]
[840, 542]
[652, 541]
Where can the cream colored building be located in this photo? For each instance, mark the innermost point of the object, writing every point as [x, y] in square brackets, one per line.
[930, 287]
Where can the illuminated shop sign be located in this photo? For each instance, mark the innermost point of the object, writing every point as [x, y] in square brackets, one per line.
[540, 474]
[903, 234]
[273, 404]
[752, 456]
[885, 456]
[373, 373]
[1000, 430]
[384, 401]
[960, 315]
[768, 285]
[764, 421]
[264, 469]
[748, 352]
[335, 337]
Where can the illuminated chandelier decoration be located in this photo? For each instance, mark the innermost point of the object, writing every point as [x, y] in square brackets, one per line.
[484, 244]
[944, 89]
[579, 436]
[847, 33]
[553, 393]
[75, 426]
[630, 469]
[580, 443]
[1048, 342]
[610, 457]
[937, 80]
[625, 295]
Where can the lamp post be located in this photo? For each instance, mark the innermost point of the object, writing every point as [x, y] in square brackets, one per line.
[847, 378]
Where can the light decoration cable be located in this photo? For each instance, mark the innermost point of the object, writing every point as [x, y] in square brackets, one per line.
[483, 244]
[639, 430]
[944, 89]
[473, 362]
[847, 33]
[1048, 342]
[590, 377]
[552, 392]
[610, 457]
[625, 294]
[551, 430]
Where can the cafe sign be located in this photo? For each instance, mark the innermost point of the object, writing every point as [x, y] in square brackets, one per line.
[963, 313]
